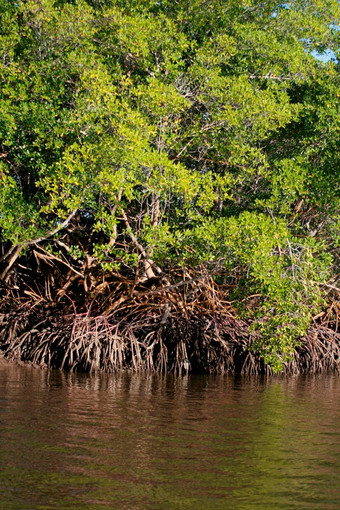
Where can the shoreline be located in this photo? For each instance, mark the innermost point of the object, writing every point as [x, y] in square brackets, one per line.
[55, 337]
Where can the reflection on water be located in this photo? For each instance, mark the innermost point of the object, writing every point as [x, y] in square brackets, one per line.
[151, 442]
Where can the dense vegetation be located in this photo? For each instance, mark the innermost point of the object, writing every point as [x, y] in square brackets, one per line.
[167, 164]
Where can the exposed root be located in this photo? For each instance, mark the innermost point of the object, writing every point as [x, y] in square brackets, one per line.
[320, 349]
[183, 328]
[157, 326]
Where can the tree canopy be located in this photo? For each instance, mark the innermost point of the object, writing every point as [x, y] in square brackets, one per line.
[179, 135]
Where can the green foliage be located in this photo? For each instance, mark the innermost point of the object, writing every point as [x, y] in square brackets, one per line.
[210, 125]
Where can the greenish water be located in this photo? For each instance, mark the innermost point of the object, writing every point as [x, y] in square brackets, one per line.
[148, 442]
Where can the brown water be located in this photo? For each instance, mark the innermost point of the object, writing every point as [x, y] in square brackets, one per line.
[148, 442]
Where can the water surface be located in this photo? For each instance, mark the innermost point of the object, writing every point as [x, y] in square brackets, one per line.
[75, 441]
